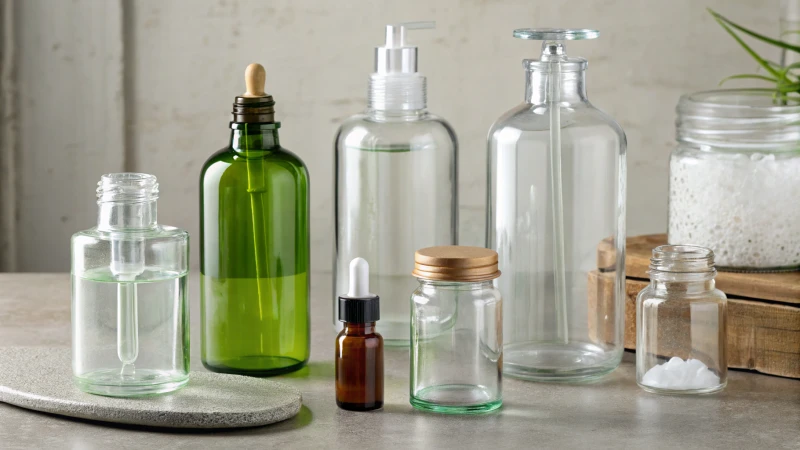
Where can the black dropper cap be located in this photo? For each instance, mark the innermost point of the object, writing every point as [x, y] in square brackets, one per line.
[359, 310]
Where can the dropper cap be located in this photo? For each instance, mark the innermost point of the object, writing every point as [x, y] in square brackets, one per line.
[255, 105]
[359, 305]
[396, 84]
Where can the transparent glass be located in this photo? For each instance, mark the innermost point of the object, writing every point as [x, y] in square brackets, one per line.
[554, 193]
[396, 192]
[254, 255]
[680, 324]
[130, 313]
[734, 180]
[456, 347]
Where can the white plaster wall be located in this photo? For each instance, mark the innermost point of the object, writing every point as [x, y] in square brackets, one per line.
[184, 63]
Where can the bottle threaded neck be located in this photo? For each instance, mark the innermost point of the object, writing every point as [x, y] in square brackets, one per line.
[127, 188]
[682, 262]
[397, 92]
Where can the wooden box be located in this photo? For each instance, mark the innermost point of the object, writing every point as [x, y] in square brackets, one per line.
[763, 308]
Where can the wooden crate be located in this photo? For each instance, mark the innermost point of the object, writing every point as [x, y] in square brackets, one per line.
[763, 308]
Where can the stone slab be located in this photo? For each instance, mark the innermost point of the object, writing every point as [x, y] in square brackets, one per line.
[40, 378]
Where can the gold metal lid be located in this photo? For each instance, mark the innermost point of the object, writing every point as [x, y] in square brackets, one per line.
[456, 263]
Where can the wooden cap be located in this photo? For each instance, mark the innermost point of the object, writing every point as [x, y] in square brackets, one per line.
[456, 263]
[255, 78]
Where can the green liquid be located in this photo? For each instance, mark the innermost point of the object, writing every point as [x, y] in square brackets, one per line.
[245, 335]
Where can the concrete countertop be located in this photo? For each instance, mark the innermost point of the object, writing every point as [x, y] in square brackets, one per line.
[755, 411]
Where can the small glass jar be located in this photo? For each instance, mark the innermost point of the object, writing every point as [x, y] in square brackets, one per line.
[680, 324]
[456, 331]
[130, 312]
[734, 180]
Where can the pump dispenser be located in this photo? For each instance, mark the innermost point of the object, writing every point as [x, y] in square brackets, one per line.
[396, 182]
[556, 190]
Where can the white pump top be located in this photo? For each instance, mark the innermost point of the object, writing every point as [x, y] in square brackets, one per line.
[396, 85]
[359, 279]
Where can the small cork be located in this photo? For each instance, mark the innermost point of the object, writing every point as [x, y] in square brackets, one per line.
[255, 78]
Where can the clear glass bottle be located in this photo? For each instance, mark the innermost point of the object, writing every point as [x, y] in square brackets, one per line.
[456, 331]
[396, 183]
[680, 324]
[734, 184]
[254, 249]
[130, 314]
[556, 188]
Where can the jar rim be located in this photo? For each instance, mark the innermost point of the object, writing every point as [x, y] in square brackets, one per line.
[682, 259]
[745, 120]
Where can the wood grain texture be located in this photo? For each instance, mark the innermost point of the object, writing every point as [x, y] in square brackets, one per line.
[780, 287]
[761, 336]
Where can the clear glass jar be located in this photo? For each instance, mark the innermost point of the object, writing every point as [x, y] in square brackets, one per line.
[130, 313]
[680, 324]
[556, 189]
[456, 331]
[735, 178]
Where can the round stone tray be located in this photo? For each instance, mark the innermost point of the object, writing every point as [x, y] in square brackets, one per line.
[40, 378]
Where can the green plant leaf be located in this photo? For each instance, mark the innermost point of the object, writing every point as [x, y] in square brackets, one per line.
[749, 76]
[747, 48]
[752, 33]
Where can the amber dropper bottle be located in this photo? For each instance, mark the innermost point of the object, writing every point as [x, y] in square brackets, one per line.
[359, 349]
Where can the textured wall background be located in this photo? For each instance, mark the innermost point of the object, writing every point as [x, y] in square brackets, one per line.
[147, 85]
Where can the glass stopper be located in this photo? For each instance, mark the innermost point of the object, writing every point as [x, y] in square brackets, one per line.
[556, 34]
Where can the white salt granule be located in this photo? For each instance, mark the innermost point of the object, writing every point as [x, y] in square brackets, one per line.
[680, 375]
[745, 207]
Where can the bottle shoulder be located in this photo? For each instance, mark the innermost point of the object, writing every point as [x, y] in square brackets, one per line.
[536, 117]
[365, 131]
[228, 162]
[160, 232]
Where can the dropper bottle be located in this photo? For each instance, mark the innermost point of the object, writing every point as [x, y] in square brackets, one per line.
[254, 245]
[359, 348]
[396, 181]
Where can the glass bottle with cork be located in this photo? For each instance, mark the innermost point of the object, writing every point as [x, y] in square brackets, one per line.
[254, 245]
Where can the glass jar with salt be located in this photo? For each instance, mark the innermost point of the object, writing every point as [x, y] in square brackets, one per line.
[680, 324]
[735, 178]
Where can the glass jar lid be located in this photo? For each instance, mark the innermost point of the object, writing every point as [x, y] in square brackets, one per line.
[456, 263]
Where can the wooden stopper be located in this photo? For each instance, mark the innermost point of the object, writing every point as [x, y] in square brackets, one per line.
[255, 78]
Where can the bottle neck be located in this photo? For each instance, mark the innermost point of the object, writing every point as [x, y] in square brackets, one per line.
[381, 115]
[563, 82]
[682, 269]
[254, 139]
[127, 201]
[359, 329]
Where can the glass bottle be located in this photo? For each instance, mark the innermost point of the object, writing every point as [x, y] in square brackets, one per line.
[734, 184]
[254, 253]
[130, 314]
[556, 189]
[396, 182]
[456, 331]
[680, 324]
[359, 348]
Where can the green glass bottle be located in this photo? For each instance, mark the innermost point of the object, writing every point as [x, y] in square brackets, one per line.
[254, 246]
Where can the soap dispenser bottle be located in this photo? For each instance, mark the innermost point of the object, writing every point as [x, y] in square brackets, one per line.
[556, 196]
[396, 183]
[254, 245]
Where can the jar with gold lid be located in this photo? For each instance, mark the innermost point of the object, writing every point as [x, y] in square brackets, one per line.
[456, 331]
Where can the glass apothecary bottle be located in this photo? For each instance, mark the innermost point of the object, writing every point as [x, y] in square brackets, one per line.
[734, 178]
[130, 314]
[556, 189]
[254, 252]
[396, 183]
[456, 331]
[680, 324]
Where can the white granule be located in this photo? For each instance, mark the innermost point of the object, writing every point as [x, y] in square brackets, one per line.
[678, 374]
[744, 207]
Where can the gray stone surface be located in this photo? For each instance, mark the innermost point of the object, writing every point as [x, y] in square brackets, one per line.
[755, 411]
[41, 379]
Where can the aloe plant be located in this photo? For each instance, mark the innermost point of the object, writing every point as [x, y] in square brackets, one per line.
[785, 78]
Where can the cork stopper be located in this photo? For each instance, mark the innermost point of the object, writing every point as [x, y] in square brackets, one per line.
[255, 78]
[456, 263]
[255, 105]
